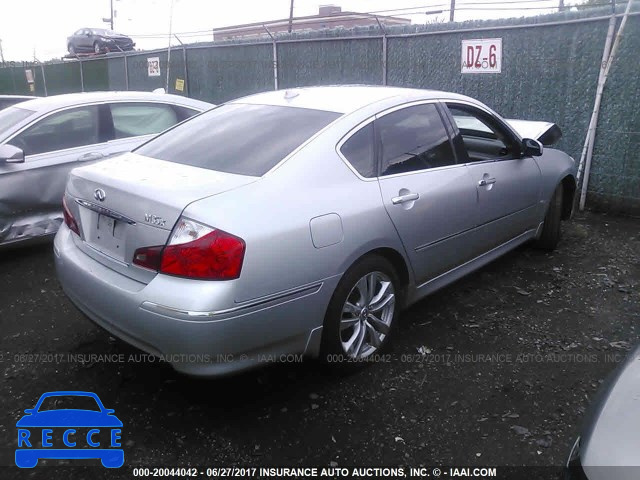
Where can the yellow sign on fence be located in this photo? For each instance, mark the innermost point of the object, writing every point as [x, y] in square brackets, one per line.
[179, 84]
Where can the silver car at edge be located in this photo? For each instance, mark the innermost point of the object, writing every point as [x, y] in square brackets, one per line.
[608, 447]
[43, 139]
[302, 222]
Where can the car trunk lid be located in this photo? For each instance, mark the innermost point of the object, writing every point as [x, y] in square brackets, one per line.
[132, 201]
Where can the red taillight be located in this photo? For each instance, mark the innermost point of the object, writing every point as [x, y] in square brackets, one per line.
[68, 217]
[148, 257]
[195, 251]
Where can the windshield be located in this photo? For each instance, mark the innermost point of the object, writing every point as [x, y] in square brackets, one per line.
[239, 138]
[10, 117]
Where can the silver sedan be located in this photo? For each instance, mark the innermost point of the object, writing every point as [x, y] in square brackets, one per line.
[303, 221]
[43, 139]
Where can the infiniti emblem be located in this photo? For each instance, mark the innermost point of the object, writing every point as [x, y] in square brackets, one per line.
[99, 194]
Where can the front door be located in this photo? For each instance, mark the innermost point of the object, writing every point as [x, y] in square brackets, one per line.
[429, 197]
[507, 184]
[32, 191]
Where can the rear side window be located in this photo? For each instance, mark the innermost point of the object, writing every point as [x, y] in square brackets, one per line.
[136, 119]
[9, 117]
[358, 150]
[238, 138]
[71, 128]
[413, 139]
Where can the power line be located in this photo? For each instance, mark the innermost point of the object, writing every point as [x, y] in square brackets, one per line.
[406, 11]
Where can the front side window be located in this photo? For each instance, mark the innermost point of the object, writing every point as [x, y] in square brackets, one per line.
[136, 119]
[238, 138]
[359, 151]
[480, 137]
[76, 127]
[413, 139]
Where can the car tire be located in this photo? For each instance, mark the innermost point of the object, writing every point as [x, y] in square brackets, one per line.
[356, 328]
[551, 230]
[71, 49]
[96, 48]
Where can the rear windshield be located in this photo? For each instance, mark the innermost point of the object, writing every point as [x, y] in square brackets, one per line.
[238, 138]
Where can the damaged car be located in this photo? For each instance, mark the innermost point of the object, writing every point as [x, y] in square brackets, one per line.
[304, 221]
[42, 139]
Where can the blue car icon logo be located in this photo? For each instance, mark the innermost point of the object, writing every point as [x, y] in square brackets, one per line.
[54, 430]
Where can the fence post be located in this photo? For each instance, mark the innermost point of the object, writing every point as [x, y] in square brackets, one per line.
[81, 76]
[591, 134]
[126, 72]
[186, 71]
[44, 80]
[384, 51]
[275, 57]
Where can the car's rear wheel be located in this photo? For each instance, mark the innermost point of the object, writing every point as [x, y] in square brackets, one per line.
[361, 314]
[551, 229]
[96, 47]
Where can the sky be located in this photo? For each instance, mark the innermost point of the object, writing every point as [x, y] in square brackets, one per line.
[50, 22]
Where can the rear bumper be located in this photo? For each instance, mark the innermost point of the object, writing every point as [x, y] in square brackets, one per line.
[194, 343]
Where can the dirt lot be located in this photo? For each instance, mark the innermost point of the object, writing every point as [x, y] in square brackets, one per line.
[497, 369]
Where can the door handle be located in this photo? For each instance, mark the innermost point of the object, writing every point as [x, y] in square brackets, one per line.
[486, 181]
[409, 197]
[90, 156]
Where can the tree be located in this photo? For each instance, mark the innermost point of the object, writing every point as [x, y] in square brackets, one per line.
[592, 3]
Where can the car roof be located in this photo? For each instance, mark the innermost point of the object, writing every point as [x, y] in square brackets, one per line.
[54, 102]
[26, 97]
[344, 98]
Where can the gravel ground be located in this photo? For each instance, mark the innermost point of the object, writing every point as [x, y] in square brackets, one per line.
[496, 369]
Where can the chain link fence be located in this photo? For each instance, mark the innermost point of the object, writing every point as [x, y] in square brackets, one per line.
[550, 67]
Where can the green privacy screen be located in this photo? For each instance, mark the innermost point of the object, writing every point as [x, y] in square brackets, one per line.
[549, 72]
[328, 62]
[221, 73]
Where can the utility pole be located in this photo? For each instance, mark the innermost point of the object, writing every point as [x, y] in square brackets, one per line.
[110, 19]
[1, 52]
[561, 5]
[169, 47]
[452, 10]
[291, 17]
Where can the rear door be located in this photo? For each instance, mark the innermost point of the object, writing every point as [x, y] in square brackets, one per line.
[507, 185]
[428, 195]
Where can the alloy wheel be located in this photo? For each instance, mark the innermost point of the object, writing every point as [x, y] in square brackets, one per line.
[367, 314]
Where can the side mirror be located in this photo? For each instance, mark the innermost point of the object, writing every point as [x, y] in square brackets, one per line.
[531, 147]
[109, 411]
[29, 411]
[11, 154]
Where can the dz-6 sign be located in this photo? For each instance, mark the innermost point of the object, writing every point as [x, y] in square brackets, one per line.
[482, 55]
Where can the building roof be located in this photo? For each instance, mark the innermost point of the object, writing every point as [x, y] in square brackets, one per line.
[297, 22]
